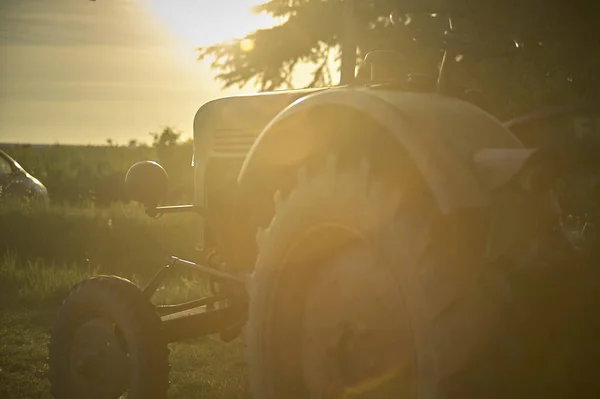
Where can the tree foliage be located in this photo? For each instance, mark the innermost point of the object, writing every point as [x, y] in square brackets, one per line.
[559, 60]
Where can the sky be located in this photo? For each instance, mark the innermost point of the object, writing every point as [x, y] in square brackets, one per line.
[82, 72]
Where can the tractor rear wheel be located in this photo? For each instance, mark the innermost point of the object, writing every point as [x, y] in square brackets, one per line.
[107, 343]
[354, 295]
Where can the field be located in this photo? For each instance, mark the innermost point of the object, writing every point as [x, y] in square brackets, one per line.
[91, 229]
[45, 250]
[95, 174]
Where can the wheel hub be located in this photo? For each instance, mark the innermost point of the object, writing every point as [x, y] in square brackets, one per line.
[356, 336]
[99, 361]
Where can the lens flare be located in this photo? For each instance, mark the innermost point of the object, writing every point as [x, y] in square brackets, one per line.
[247, 45]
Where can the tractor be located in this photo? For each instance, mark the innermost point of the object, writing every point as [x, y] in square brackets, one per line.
[384, 238]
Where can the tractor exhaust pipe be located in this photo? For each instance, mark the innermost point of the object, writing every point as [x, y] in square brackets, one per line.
[349, 45]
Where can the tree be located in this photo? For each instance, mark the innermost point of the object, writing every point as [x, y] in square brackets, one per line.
[558, 62]
[175, 156]
[168, 137]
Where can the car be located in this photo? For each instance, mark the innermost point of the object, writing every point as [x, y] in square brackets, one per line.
[17, 183]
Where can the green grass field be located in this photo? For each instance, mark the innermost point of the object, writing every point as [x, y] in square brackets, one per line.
[47, 250]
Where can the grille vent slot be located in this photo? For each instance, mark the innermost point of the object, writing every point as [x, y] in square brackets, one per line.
[233, 143]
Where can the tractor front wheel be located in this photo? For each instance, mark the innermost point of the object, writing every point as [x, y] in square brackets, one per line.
[107, 343]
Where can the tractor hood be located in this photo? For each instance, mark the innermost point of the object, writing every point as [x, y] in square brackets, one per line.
[228, 126]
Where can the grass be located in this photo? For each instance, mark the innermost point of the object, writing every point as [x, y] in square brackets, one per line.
[39, 264]
[119, 239]
[31, 293]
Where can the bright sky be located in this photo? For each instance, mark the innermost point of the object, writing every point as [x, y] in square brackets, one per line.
[81, 71]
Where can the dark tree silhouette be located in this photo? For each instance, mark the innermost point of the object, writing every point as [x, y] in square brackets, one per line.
[168, 137]
[559, 60]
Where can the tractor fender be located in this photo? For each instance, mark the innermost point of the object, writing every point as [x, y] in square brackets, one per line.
[443, 136]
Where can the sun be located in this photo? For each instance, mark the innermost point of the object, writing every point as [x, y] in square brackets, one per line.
[205, 22]
[197, 23]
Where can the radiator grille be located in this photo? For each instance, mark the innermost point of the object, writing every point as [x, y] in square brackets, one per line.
[233, 143]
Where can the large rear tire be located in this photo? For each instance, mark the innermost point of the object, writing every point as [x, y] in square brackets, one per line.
[107, 343]
[355, 295]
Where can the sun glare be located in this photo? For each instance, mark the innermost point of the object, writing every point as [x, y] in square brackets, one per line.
[205, 22]
[247, 45]
[195, 23]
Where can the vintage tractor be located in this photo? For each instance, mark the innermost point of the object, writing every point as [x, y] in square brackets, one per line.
[380, 239]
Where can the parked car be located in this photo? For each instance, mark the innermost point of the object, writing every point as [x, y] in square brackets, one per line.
[16, 182]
